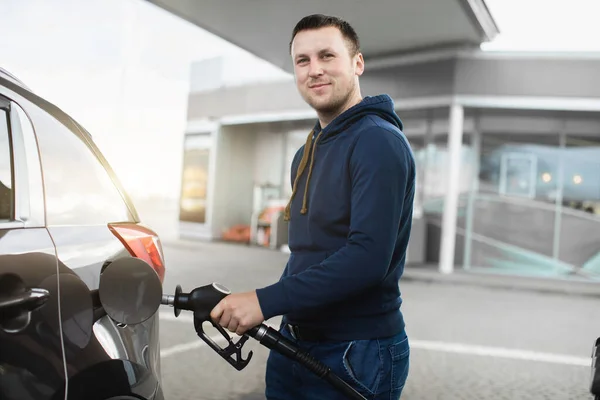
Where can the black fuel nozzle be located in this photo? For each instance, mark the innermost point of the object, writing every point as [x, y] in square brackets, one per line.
[201, 301]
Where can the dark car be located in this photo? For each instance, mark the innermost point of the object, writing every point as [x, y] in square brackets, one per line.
[64, 217]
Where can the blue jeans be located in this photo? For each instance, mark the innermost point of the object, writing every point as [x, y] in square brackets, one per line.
[376, 368]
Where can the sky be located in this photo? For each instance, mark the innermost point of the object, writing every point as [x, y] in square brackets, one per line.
[122, 68]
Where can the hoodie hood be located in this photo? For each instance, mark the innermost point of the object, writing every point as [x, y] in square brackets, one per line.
[381, 106]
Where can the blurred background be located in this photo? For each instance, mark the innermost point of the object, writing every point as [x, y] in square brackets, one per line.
[195, 107]
[179, 97]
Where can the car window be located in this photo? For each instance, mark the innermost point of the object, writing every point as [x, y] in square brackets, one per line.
[79, 190]
[6, 186]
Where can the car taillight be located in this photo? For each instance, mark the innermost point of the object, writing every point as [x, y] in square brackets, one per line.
[141, 242]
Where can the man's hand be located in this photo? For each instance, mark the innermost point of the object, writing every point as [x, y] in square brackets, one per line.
[238, 312]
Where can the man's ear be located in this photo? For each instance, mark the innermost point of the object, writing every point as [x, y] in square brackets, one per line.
[359, 64]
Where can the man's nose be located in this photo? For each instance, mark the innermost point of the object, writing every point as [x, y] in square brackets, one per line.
[315, 69]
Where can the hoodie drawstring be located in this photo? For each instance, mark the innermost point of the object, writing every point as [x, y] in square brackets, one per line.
[301, 168]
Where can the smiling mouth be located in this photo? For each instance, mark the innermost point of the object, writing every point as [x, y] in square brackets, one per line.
[319, 86]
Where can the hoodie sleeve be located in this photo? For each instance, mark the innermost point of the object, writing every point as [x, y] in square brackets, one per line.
[381, 171]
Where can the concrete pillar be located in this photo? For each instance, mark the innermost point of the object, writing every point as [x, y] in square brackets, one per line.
[473, 192]
[427, 140]
[455, 134]
[559, 198]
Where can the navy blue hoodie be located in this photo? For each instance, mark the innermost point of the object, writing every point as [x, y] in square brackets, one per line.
[349, 228]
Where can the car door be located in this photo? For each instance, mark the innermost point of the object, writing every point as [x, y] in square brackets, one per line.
[91, 225]
[32, 363]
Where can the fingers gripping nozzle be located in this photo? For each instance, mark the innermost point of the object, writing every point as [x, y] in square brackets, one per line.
[201, 301]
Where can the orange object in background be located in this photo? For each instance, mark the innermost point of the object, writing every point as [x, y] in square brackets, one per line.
[238, 233]
[263, 238]
[265, 219]
[267, 214]
[241, 233]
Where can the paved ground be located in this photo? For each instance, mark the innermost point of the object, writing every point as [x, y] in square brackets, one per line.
[468, 341]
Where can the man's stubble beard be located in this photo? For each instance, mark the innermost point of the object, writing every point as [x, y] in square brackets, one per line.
[336, 105]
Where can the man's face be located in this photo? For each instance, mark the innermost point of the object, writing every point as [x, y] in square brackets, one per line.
[326, 74]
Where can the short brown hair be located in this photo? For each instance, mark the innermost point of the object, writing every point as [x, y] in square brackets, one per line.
[316, 21]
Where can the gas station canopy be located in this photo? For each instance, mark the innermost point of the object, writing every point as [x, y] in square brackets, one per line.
[387, 28]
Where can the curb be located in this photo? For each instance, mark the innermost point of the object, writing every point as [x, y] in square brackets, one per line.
[505, 282]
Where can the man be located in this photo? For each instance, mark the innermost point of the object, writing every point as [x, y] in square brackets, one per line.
[350, 219]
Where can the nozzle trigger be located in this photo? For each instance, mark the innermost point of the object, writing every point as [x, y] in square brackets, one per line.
[232, 349]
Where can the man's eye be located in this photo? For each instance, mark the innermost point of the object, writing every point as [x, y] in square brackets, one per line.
[302, 60]
[328, 56]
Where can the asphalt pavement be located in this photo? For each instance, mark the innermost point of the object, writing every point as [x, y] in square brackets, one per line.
[477, 337]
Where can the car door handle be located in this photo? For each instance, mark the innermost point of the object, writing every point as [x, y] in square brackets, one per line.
[27, 300]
